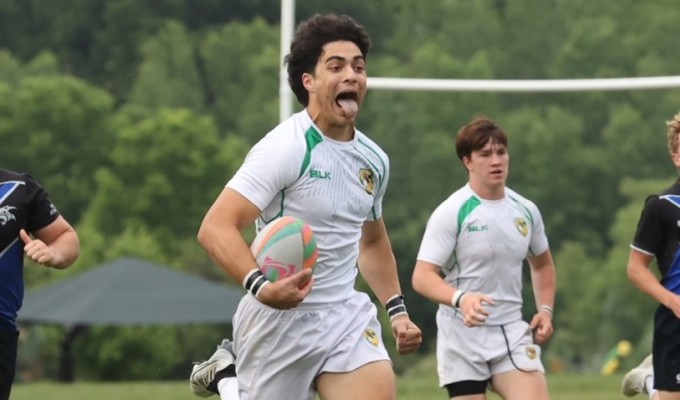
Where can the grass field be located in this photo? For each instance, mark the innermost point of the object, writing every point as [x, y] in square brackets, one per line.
[419, 384]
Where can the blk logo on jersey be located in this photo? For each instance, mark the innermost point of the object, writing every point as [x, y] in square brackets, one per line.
[522, 227]
[366, 179]
[316, 174]
[477, 228]
[6, 214]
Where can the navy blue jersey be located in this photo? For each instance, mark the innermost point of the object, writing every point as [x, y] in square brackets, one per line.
[658, 234]
[24, 204]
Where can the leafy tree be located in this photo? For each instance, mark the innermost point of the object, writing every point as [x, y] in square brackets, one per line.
[57, 129]
[633, 148]
[168, 77]
[240, 63]
[125, 353]
[166, 170]
[550, 166]
[593, 290]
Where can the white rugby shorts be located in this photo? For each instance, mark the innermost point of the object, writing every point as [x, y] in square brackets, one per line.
[478, 353]
[280, 353]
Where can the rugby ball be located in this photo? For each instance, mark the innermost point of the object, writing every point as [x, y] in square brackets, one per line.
[283, 247]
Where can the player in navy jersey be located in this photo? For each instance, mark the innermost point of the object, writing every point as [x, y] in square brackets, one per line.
[25, 210]
[658, 236]
[306, 335]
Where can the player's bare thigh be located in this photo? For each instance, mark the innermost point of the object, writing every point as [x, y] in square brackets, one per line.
[373, 381]
[668, 395]
[518, 385]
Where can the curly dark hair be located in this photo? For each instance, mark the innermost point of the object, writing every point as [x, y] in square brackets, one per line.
[307, 46]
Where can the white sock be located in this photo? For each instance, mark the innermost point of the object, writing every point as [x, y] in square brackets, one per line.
[228, 388]
[649, 385]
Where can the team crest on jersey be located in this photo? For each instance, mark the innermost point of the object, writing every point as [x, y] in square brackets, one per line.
[366, 179]
[6, 214]
[522, 227]
[371, 337]
[531, 352]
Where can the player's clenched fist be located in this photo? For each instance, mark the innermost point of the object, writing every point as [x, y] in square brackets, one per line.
[407, 334]
[38, 251]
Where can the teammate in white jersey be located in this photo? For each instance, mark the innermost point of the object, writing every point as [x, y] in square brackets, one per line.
[470, 262]
[306, 335]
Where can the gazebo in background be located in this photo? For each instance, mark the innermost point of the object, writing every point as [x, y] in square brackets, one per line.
[127, 291]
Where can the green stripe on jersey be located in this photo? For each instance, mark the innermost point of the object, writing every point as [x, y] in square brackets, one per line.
[522, 207]
[377, 170]
[312, 138]
[466, 209]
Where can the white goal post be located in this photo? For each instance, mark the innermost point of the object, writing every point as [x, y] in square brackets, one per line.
[524, 85]
[465, 85]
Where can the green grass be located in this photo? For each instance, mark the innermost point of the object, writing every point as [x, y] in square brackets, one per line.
[419, 384]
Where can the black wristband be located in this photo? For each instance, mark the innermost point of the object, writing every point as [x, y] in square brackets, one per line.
[395, 306]
[254, 281]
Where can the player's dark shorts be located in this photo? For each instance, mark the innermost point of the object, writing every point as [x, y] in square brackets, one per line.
[666, 350]
[9, 340]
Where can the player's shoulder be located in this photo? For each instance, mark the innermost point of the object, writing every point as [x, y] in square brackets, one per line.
[292, 135]
[363, 141]
[514, 196]
[463, 197]
[7, 175]
[669, 196]
[297, 126]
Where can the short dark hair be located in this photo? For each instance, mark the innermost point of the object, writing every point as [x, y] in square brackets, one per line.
[476, 134]
[307, 46]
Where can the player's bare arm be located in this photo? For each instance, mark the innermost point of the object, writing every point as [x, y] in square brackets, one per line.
[56, 245]
[427, 281]
[543, 279]
[379, 268]
[641, 275]
[376, 261]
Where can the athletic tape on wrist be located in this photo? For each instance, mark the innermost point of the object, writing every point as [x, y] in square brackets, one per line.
[254, 282]
[395, 306]
[457, 297]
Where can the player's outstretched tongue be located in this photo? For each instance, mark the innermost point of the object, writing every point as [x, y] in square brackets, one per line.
[349, 107]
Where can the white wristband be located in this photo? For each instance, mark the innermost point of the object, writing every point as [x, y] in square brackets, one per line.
[457, 297]
[547, 309]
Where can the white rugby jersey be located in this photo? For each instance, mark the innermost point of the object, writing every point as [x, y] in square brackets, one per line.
[333, 186]
[481, 244]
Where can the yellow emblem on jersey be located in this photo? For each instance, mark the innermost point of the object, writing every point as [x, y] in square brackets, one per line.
[531, 352]
[371, 337]
[366, 179]
[522, 227]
